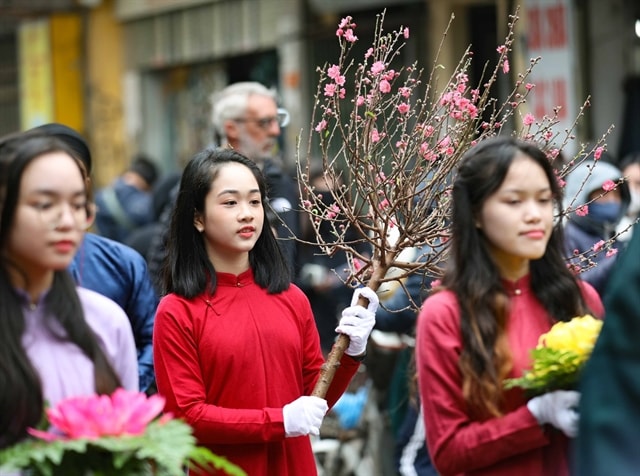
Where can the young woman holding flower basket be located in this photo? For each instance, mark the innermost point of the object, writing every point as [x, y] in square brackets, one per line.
[507, 284]
[56, 340]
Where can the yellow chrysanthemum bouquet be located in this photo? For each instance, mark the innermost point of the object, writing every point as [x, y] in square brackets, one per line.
[559, 357]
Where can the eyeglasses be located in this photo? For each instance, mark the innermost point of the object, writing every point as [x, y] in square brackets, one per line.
[281, 118]
[54, 214]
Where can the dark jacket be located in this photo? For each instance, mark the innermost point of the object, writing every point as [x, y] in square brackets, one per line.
[607, 442]
[282, 193]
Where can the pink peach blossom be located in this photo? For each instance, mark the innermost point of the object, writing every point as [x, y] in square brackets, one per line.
[322, 125]
[385, 86]
[345, 22]
[528, 119]
[329, 89]
[334, 71]
[582, 211]
[377, 67]
[403, 108]
[349, 36]
[598, 153]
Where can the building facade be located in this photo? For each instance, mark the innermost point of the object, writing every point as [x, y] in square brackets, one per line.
[138, 75]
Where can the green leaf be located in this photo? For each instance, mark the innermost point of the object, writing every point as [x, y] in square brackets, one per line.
[552, 370]
[167, 446]
[203, 458]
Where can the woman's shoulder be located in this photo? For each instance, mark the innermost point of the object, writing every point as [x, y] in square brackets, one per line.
[172, 301]
[93, 243]
[102, 312]
[443, 297]
[294, 292]
[592, 298]
[440, 309]
[293, 298]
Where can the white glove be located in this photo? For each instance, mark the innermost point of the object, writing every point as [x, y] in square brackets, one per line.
[557, 408]
[304, 416]
[357, 322]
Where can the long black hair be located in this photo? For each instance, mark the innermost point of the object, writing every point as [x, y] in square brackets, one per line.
[188, 269]
[474, 277]
[21, 392]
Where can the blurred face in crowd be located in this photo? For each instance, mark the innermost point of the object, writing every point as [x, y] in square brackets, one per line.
[50, 217]
[255, 135]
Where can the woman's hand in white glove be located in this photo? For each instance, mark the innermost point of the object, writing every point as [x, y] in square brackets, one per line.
[559, 409]
[304, 416]
[357, 322]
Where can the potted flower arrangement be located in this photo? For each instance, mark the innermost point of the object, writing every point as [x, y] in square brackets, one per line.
[559, 356]
[103, 435]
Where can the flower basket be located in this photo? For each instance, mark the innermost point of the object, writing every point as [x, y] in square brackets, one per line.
[559, 357]
[112, 435]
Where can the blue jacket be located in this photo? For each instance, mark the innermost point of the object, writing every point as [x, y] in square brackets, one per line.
[120, 273]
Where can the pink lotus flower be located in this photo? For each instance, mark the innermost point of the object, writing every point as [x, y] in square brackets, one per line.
[122, 413]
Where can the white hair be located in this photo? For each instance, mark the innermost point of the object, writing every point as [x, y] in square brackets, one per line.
[231, 103]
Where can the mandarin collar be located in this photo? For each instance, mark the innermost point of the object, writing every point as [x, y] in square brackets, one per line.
[25, 299]
[235, 280]
[517, 287]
